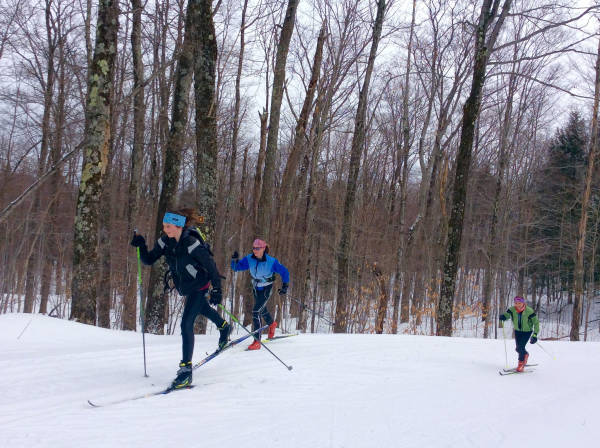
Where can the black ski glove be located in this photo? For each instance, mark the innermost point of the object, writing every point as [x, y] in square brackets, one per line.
[533, 339]
[215, 296]
[283, 290]
[138, 240]
[235, 256]
[502, 317]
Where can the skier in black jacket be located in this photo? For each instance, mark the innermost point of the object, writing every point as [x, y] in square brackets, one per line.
[193, 270]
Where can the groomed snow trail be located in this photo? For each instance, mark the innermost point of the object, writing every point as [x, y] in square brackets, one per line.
[344, 391]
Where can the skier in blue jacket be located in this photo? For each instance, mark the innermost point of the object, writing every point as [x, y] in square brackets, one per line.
[262, 268]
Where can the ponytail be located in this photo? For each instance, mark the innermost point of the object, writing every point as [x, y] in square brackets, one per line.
[192, 218]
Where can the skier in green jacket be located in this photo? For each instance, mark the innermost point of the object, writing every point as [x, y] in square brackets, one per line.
[526, 325]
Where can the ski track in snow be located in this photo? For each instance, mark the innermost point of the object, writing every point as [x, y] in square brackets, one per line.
[343, 391]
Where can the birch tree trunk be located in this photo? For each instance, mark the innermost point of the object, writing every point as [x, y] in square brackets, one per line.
[97, 140]
[343, 251]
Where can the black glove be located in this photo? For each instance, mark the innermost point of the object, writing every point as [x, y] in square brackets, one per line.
[533, 339]
[283, 290]
[138, 240]
[235, 256]
[502, 317]
[215, 296]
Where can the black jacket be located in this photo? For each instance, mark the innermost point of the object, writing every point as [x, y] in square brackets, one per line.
[190, 261]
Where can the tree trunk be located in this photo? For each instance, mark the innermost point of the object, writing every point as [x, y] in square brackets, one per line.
[38, 250]
[104, 246]
[299, 144]
[205, 60]
[383, 298]
[585, 199]
[97, 139]
[492, 249]
[266, 197]
[484, 45]
[137, 160]
[242, 218]
[343, 251]
[259, 168]
[155, 310]
[402, 163]
[234, 140]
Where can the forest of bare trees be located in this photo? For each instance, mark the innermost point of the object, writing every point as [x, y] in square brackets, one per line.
[414, 164]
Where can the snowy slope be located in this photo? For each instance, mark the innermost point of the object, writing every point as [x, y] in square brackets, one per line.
[344, 391]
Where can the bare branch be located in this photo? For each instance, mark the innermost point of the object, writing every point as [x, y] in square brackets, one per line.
[547, 28]
[544, 83]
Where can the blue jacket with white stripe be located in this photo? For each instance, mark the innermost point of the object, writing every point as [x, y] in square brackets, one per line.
[262, 270]
[190, 261]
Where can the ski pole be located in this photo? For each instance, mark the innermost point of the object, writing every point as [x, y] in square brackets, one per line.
[233, 284]
[540, 346]
[310, 309]
[254, 336]
[505, 352]
[139, 288]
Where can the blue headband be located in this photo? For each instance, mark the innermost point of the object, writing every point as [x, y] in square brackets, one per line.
[175, 219]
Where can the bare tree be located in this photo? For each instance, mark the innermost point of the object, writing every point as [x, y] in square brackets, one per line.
[98, 131]
[137, 158]
[268, 178]
[585, 200]
[358, 138]
[155, 310]
[299, 143]
[487, 31]
[205, 57]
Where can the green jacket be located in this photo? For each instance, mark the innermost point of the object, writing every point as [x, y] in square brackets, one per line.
[525, 321]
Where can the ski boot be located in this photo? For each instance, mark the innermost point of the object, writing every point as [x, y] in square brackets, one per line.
[521, 366]
[255, 345]
[525, 359]
[272, 330]
[224, 332]
[184, 376]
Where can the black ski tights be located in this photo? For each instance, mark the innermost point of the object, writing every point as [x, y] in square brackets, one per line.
[260, 308]
[195, 304]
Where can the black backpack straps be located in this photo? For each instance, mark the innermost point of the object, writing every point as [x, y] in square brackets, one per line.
[167, 287]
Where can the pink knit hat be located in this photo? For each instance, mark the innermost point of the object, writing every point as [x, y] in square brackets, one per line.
[259, 243]
[519, 299]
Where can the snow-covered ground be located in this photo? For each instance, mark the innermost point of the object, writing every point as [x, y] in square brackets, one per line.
[344, 391]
